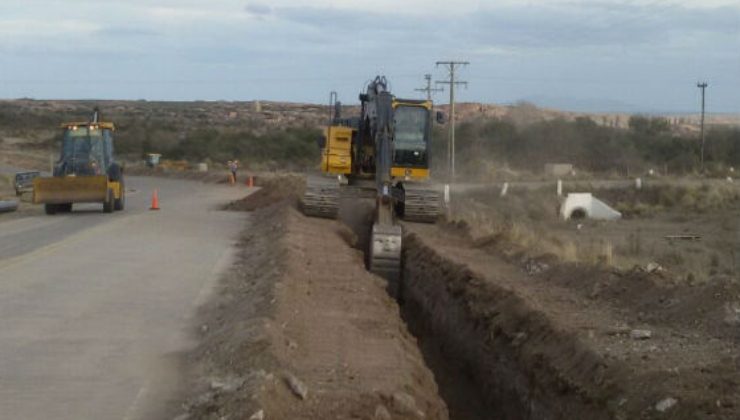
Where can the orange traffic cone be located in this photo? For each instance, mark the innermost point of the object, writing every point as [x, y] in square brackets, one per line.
[155, 201]
[250, 181]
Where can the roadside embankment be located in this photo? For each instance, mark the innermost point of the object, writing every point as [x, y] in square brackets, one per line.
[300, 330]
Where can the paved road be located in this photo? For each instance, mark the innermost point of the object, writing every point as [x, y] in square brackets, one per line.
[95, 307]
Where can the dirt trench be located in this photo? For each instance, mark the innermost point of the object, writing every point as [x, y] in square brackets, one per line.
[457, 388]
[545, 340]
[499, 339]
[497, 349]
[475, 379]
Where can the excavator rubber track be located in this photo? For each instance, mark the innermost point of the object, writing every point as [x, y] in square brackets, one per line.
[321, 198]
[422, 205]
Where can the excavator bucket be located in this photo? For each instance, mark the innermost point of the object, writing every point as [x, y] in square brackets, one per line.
[70, 189]
[385, 254]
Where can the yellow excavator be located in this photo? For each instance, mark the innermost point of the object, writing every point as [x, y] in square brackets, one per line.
[85, 172]
[384, 154]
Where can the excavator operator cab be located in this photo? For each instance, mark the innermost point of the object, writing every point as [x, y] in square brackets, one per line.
[412, 126]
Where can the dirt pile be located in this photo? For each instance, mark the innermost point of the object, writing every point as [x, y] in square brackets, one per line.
[273, 189]
[543, 339]
[338, 332]
[299, 330]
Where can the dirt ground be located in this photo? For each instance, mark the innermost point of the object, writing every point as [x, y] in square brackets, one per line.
[585, 342]
[550, 334]
[299, 329]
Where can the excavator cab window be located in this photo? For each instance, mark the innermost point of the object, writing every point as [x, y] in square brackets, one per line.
[411, 135]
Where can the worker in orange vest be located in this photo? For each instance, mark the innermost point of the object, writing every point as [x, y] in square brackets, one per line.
[233, 166]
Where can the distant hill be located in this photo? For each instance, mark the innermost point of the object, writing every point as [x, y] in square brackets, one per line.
[266, 134]
[526, 113]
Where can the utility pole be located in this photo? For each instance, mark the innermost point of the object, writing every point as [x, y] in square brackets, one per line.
[428, 89]
[451, 66]
[703, 87]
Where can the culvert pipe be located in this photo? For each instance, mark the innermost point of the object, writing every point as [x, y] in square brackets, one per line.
[7, 206]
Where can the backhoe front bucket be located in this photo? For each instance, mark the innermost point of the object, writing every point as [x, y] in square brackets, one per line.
[70, 189]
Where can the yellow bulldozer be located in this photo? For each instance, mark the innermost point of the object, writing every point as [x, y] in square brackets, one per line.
[85, 172]
[382, 154]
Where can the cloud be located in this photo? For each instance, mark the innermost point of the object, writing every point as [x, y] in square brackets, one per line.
[258, 9]
[41, 28]
[180, 15]
[126, 32]
[599, 24]
[517, 48]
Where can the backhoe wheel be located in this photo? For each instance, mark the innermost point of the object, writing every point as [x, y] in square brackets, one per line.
[119, 203]
[50, 208]
[109, 202]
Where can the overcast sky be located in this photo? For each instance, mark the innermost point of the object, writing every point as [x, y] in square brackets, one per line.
[598, 54]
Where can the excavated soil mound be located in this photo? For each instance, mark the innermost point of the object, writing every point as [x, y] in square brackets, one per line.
[338, 332]
[273, 189]
[299, 330]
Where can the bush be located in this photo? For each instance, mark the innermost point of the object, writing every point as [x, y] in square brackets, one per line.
[648, 143]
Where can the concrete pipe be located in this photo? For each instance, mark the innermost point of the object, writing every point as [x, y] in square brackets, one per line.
[8, 206]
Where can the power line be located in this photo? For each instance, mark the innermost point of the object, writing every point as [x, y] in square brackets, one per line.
[428, 89]
[451, 67]
[703, 87]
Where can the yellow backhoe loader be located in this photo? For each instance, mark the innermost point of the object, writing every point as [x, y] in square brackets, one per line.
[85, 171]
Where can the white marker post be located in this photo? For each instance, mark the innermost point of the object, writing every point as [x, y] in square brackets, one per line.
[560, 188]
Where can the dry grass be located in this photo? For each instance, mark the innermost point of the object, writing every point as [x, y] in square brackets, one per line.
[527, 223]
[691, 197]
[514, 236]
